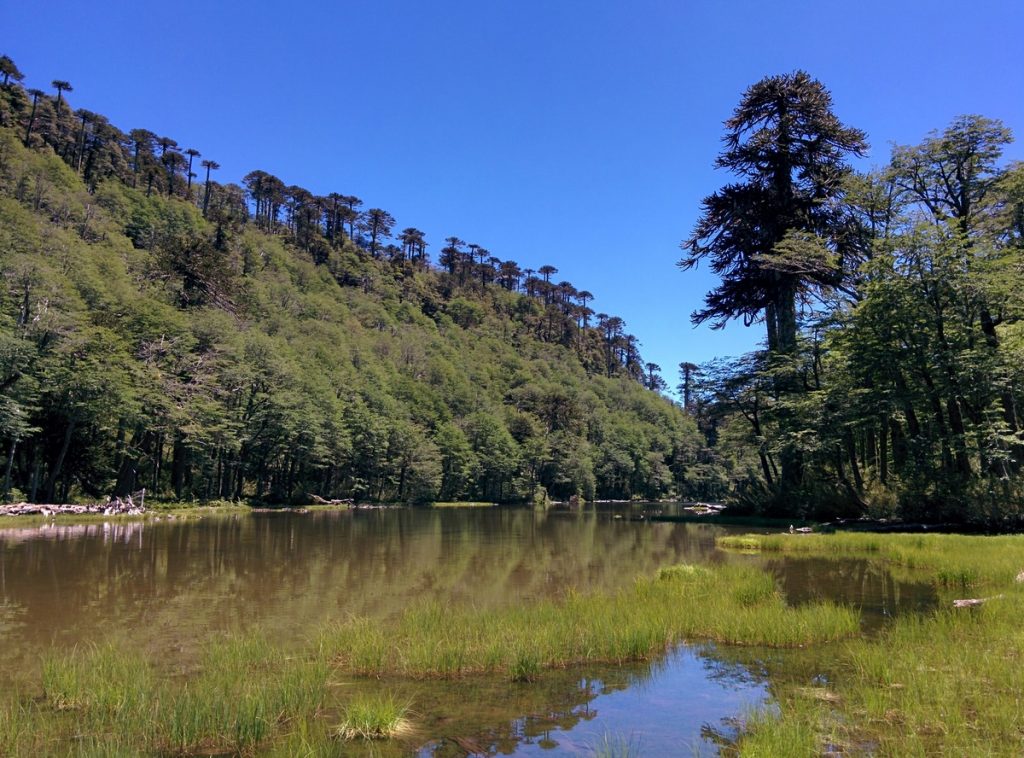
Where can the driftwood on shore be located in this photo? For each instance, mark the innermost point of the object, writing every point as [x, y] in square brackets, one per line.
[324, 501]
[973, 602]
[130, 505]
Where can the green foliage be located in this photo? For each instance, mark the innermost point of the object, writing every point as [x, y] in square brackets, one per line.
[730, 605]
[901, 395]
[143, 345]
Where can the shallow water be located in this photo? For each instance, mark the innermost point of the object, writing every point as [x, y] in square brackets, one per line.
[166, 586]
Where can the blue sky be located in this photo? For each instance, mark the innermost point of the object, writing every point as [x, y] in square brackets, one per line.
[579, 133]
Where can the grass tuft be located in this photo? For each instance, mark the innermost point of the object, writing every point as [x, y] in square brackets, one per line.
[374, 716]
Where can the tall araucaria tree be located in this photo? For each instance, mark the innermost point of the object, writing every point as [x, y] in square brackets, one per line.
[790, 151]
[773, 236]
[9, 71]
[61, 86]
[209, 166]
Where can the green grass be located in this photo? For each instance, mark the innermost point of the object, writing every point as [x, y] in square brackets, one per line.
[374, 716]
[955, 561]
[610, 745]
[731, 605]
[944, 683]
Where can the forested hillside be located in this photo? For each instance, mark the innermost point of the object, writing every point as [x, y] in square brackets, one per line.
[160, 329]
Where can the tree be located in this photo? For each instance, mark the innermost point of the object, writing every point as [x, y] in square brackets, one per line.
[142, 140]
[773, 237]
[687, 374]
[209, 166]
[378, 224]
[547, 272]
[9, 70]
[790, 149]
[192, 154]
[654, 381]
[61, 86]
[36, 94]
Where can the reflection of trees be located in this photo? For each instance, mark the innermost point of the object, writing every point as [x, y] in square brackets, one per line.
[167, 584]
[501, 719]
[497, 718]
[868, 585]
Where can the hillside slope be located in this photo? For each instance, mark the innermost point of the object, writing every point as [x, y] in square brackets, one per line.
[143, 345]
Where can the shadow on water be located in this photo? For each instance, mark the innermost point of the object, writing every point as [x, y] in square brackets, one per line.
[167, 586]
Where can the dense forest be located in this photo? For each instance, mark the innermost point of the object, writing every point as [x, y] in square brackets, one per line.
[892, 373]
[159, 329]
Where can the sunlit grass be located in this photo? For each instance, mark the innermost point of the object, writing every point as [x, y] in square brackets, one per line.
[944, 683]
[460, 504]
[611, 745]
[955, 561]
[732, 605]
[374, 716]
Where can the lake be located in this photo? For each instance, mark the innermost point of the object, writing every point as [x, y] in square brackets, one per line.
[167, 586]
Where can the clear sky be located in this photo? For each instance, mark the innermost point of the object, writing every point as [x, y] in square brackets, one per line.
[576, 133]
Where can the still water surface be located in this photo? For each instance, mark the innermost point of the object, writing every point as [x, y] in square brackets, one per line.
[167, 586]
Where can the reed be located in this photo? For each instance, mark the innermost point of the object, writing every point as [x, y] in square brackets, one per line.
[612, 745]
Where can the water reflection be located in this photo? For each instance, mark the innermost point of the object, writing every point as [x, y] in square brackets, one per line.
[167, 585]
[680, 705]
[869, 586]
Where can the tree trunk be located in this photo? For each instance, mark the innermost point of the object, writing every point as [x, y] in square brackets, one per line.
[51, 484]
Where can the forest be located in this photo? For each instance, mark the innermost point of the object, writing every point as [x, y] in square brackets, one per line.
[260, 341]
[891, 376]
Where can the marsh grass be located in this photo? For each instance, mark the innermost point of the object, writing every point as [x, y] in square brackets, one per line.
[732, 605]
[954, 561]
[374, 716]
[106, 700]
[109, 686]
[944, 683]
[613, 745]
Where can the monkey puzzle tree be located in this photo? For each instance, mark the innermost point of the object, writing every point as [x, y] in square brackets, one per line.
[9, 71]
[772, 236]
[789, 148]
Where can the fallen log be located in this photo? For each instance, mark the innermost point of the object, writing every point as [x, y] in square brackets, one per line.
[973, 602]
[115, 506]
[324, 501]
